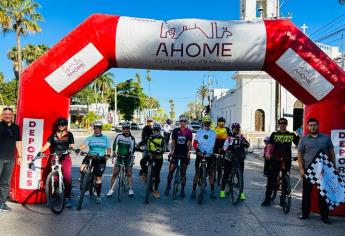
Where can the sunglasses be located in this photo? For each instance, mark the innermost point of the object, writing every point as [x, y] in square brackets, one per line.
[7, 109]
[184, 121]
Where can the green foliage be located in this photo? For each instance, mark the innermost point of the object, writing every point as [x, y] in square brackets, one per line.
[88, 119]
[2, 78]
[84, 96]
[106, 127]
[128, 98]
[172, 109]
[8, 92]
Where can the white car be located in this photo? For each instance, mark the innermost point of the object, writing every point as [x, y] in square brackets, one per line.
[141, 125]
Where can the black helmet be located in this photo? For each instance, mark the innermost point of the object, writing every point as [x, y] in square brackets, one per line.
[221, 119]
[61, 121]
[168, 121]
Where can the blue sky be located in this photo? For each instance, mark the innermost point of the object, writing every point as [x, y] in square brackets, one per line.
[63, 16]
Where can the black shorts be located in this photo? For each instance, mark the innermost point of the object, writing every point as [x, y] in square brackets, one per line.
[209, 161]
[184, 160]
[98, 166]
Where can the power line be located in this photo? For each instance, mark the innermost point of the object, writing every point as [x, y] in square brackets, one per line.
[327, 24]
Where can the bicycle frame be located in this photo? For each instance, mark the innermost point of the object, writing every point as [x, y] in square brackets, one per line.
[56, 166]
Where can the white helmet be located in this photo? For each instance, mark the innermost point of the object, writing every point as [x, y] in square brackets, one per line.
[97, 123]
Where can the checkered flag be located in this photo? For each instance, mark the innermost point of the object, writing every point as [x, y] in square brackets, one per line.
[329, 183]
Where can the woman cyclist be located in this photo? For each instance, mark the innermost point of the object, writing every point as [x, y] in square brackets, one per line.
[235, 146]
[59, 142]
[99, 146]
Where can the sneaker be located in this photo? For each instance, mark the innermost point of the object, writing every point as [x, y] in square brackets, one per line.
[156, 194]
[222, 194]
[99, 200]
[193, 195]
[266, 202]
[182, 193]
[167, 190]
[68, 202]
[131, 193]
[213, 195]
[4, 207]
[110, 193]
[242, 197]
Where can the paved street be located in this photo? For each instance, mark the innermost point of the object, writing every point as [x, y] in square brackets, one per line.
[167, 217]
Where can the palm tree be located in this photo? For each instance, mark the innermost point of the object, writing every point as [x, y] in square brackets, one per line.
[104, 84]
[149, 79]
[172, 109]
[12, 55]
[202, 92]
[341, 1]
[138, 78]
[31, 52]
[21, 17]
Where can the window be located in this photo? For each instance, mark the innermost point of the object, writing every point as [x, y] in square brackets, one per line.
[259, 120]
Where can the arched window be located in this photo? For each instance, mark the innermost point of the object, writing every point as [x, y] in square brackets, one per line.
[297, 115]
[259, 120]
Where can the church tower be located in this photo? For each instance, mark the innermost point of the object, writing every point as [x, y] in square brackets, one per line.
[254, 9]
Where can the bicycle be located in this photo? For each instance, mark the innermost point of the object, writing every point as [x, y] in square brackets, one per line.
[122, 180]
[234, 184]
[54, 186]
[218, 168]
[177, 179]
[285, 197]
[201, 179]
[87, 180]
[149, 178]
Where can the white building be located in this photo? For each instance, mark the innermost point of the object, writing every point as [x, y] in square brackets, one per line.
[254, 102]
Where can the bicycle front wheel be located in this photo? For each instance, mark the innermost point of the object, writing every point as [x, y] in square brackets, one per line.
[286, 194]
[202, 184]
[236, 186]
[148, 189]
[120, 186]
[55, 192]
[176, 182]
[84, 185]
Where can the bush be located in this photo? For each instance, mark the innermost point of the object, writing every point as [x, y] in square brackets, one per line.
[107, 127]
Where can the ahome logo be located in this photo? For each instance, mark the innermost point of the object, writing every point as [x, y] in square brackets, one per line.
[75, 67]
[304, 74]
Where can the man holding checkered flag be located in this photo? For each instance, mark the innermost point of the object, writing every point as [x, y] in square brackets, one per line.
[309, 147]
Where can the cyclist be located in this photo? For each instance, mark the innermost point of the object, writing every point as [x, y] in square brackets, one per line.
[147, 131]
[155, 147]
[181, 144]
[235, 146]
[204, 141]
[279, 149]
[222, 133]
[59, 142]
[99, 145]
[123, 150]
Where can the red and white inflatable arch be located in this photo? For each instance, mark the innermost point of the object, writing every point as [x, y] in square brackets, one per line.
[105, 41]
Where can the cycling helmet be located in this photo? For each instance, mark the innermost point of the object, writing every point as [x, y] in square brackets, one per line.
[235, 125]
[97, 123]
[125, 125]
[182, 117]
[266, 139]
[61, 121]
[168, 121]
[156, 127]
[206, 119]
[221, 119]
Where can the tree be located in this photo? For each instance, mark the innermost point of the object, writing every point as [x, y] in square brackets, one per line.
[21, 17]
[202, 92]
[84, 96]
[103, 84]
[31, 52]
[88, 119]
[341, 1]
[8, 91]
[172, 109]
[138, 78]
[194, 110]
[128, 98]
[149, 79]
[2, 78]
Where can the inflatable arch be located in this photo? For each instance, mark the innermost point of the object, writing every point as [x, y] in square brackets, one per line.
[104, 41]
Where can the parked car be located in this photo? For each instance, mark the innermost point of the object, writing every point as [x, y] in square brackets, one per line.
[195, 126]
[141, 125]
[118, 128]
[134, 126]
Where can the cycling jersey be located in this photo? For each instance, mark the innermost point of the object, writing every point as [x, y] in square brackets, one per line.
[155, 145]
[60, 145]
[205, 140]
[221, 135]
[282, 142]
[181, 138]
[124, 145]
[97, 144]
[236, 144]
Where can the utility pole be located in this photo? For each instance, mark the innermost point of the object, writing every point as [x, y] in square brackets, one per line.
[278, 87]
[115, 106]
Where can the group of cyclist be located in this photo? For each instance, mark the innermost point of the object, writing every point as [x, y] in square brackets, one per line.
[207, 142]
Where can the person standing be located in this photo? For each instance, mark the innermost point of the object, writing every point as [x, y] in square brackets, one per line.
[147, 131]
[279, 150]
[10, 140]
[167, 132]
[308, 147]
